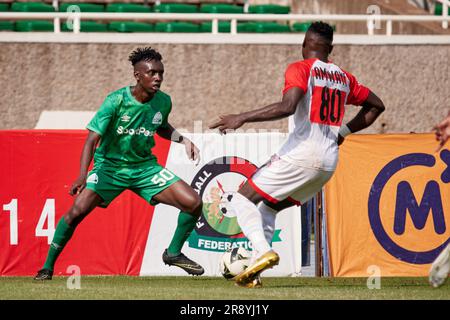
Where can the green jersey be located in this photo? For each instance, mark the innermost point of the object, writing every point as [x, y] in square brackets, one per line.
[127, 128]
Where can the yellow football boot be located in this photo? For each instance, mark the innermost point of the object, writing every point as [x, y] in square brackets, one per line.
[252, 283]
[266, 261]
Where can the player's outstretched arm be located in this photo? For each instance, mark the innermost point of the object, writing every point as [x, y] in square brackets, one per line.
[170, 133]
[371, 110]
[86, 157]
[442, 131]
[274, 111]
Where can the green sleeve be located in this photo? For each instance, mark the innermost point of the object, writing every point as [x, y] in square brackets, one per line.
[165, 120]
[103, 117]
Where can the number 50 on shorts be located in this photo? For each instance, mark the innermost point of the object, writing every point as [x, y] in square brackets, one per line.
[162, 177]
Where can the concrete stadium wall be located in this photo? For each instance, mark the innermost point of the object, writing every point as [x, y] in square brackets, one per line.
[207, 80]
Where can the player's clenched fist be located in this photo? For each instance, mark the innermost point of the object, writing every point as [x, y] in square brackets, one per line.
[78, 186]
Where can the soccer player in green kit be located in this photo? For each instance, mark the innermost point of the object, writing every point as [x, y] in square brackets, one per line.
[124, 125]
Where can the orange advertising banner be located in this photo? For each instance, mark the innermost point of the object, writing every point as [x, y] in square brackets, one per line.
[388, 205]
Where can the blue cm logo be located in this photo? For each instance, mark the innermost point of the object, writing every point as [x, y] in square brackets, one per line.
[406, 202]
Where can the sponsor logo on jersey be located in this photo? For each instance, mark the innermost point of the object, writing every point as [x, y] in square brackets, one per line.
[125, 118]
[135, 132]
[157, 119]
[93, 178]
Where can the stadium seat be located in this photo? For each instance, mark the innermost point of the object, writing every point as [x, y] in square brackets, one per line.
[6, 25]
[175, 8]
[438, 9]
[301, 26]
[263, 27]
[32, 7]
[269, 8]
[84, 7]
[4, 7]
[224, 26]
[220, 8]
[33, 25]
[130, 26]
[127, 7]
[87, 26]
[176, 27]
[247, 27]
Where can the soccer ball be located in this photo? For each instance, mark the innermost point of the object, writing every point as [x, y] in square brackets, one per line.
[234, 261]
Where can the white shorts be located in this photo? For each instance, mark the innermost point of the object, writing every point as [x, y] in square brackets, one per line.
[279, 180]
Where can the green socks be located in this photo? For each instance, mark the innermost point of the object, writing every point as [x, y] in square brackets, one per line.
[186, 223]
[62, 235]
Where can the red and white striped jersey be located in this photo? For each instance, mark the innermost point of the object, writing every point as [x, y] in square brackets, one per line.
[319, 114]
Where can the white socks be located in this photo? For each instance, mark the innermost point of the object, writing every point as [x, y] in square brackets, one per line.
[268, 219]
[249, 219]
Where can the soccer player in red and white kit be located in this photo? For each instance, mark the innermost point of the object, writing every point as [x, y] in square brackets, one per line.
[315, 93]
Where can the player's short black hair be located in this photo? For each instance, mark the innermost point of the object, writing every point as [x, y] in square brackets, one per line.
[323, 29]
[144, 54]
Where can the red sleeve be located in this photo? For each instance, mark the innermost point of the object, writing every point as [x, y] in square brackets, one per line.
[358, 93]
[297, 75]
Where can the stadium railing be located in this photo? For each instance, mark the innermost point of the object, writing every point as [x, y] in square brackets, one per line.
[77, 17]
[445, 7]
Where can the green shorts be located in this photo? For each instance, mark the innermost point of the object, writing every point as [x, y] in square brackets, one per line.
[109, 182]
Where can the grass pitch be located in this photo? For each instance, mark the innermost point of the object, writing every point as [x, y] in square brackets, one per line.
[216, 288]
